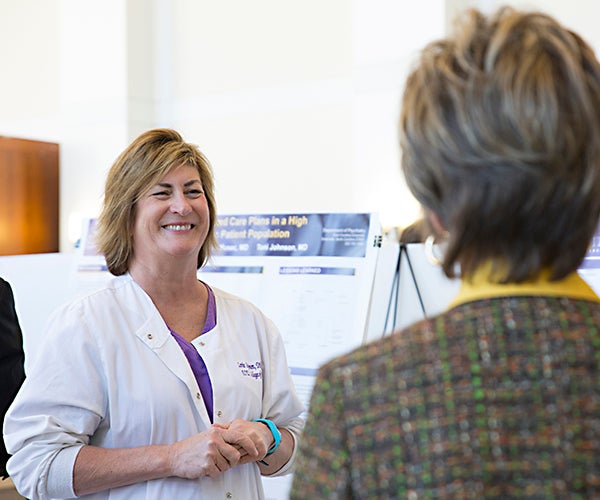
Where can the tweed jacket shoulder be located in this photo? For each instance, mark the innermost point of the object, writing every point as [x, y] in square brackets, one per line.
[496, 398]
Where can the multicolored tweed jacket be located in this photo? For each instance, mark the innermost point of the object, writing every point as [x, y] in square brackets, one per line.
[495, 398]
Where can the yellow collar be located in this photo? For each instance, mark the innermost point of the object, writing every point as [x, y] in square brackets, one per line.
[480, 287]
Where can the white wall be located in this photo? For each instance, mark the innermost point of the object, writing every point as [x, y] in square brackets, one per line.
[295, 103]
[580, 15]
[64, 80]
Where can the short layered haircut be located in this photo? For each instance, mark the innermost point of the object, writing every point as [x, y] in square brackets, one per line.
[500, 138]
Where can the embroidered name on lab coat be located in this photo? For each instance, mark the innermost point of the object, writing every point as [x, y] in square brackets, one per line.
[249, 369]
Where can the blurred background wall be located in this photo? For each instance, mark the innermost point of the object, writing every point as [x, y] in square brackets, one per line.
[294, 103]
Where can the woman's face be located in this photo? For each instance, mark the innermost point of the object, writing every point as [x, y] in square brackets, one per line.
[171, 218]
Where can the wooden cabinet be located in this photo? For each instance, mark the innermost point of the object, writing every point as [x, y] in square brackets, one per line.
[29, 196]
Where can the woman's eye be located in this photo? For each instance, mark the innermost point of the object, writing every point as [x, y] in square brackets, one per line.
[194, 192]
[160, 194]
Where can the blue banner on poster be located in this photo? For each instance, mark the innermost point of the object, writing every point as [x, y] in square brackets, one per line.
[298, 235]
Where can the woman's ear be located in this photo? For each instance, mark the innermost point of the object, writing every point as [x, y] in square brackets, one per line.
[436, 224]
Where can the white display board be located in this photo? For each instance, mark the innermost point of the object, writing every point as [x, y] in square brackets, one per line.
[423, 291]
[40, 283]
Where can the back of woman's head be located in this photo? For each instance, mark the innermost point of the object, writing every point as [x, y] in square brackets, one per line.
[500, 136]
[144, 163]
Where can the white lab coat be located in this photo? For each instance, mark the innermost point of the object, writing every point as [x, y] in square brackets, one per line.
[110, 374]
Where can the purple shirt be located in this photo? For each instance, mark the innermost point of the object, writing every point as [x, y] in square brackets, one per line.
[194, 358]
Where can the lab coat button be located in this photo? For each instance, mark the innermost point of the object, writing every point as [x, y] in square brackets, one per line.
[202, 344]
[149, 336]
[229, 494]
[198, 395]
[219, 413]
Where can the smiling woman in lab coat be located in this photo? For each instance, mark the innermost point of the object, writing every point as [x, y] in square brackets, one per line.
[156, 386]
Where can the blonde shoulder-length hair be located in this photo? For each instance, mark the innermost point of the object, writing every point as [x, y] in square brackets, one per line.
[143, 163]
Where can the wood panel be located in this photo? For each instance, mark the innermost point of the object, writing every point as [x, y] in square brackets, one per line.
[29, 196]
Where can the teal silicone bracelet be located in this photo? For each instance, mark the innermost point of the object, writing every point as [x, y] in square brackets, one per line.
[274, 430]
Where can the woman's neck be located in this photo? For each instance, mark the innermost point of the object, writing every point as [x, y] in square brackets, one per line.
[164, 282]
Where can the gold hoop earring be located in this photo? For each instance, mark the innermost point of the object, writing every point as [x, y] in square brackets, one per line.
[431, 254]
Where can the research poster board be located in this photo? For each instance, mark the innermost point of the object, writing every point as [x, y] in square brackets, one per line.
[312, 274]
